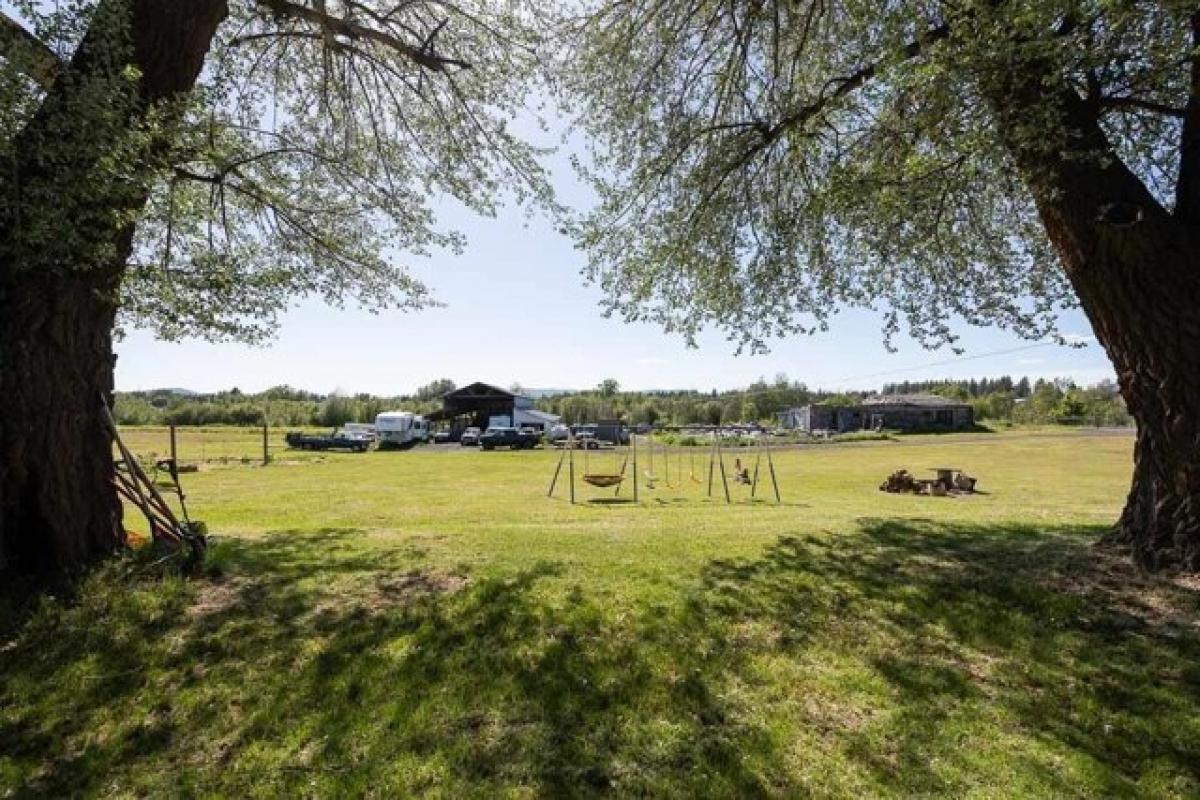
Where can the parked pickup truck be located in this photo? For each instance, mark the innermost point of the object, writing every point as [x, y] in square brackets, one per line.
[337, 440]
[508, 437]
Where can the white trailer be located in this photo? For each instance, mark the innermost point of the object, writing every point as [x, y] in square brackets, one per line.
[400, 429]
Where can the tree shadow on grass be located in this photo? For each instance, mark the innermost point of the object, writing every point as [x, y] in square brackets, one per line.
[315, 664]
[326, 663]
[1007, 632]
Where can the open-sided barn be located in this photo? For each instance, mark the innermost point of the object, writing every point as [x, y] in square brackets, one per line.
[480, 404]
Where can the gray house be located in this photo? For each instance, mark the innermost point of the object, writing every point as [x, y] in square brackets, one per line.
[918, 412]
[904, 412]
[836, 419]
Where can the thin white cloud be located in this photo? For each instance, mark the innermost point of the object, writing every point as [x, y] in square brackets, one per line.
[651, 361]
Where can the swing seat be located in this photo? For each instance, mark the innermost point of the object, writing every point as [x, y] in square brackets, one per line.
[603, 481]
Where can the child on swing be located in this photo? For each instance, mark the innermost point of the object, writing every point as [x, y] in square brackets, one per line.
[740, 474]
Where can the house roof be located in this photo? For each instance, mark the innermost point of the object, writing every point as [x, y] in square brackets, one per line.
[920, 400]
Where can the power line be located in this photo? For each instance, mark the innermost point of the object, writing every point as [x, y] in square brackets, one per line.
[947, 362]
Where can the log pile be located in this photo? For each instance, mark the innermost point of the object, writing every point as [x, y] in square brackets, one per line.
[900, 482]
[904, 482]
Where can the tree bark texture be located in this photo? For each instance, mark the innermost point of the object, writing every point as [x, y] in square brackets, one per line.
[1135, 267]
[58, 508]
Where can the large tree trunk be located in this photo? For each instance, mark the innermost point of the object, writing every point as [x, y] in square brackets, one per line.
[65, 235]
[57, 508]
[1148, 320]
[1135, 267]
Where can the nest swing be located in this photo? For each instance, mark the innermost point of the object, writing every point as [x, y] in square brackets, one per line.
[603, 480]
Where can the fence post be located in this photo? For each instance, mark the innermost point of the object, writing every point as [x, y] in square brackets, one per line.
[266, 450]
[174, 456]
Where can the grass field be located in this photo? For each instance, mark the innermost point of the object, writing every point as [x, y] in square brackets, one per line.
[429, 623]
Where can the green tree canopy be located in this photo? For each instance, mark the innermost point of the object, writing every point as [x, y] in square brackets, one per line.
[435, 389]
[306, 162]
[608, 387]
[760, 165]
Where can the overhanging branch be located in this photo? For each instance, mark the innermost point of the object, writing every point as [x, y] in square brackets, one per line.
[837, 88]
[763, 135]
[1138, 104]
[40, 62]
[331, 26]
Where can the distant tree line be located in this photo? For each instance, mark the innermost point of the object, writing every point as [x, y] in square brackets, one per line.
[758, 402]
[279, 405]
[1002, 399]
[974, 387]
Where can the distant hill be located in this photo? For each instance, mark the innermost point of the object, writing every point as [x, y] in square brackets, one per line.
[539, 393]
[175, 391]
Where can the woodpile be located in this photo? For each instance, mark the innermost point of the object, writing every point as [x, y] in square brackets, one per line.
[904, 482]
[900, 482]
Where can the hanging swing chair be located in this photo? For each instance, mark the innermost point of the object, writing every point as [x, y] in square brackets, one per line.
[603, 480]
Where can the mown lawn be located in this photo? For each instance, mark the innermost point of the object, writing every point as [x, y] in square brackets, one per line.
[428, 623]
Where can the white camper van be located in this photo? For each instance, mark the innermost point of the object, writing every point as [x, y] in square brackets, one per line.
[400, 429]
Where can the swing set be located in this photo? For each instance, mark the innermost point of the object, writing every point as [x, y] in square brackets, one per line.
[625, 467]
[742, 474]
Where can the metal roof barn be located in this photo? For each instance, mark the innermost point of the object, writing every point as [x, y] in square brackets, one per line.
[476, 403]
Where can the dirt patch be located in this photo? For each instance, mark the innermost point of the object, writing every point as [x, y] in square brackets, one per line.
[1110, 578]
[216, 596]
[393, 590]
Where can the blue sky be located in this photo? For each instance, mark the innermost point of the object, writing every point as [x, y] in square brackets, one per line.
[517, 311]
